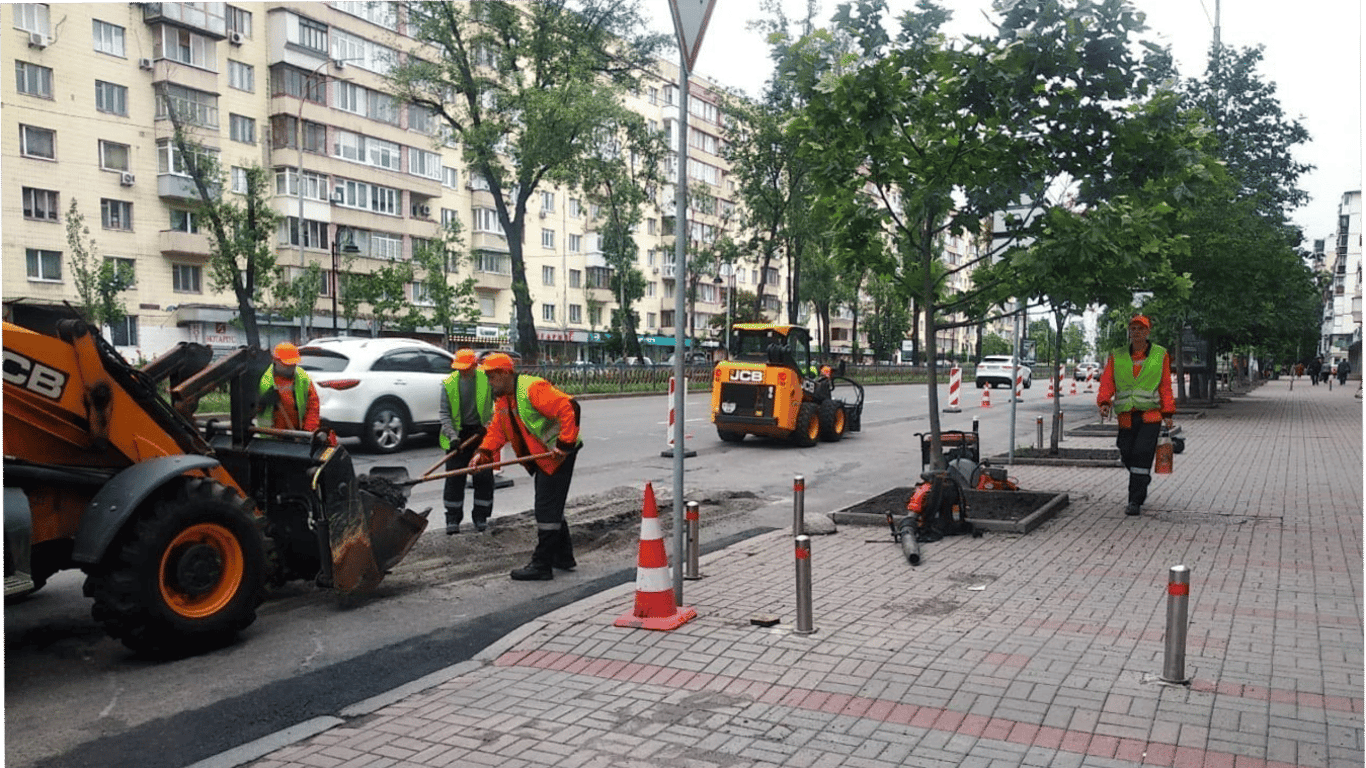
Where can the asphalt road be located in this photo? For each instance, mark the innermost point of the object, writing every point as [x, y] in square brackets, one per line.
[76, 698]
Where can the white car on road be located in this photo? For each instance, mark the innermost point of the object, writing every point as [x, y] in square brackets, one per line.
[1000, 369]
[382, 390]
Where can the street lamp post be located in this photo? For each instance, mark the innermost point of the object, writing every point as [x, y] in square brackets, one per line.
[337, 248]
[730, 304]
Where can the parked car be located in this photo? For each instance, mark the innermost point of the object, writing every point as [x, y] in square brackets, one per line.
[1000, 369]
[691, 358]
[382, 390]
[1087, 368]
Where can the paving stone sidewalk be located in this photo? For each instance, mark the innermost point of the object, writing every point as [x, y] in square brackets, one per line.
[1042, 649]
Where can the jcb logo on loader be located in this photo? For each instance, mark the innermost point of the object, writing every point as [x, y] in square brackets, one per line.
[743, 375]
[33, 375]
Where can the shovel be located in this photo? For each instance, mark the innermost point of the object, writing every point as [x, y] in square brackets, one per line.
[398, 476]
[448, 456]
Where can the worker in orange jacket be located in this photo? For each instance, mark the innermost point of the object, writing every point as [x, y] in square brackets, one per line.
[1137, 386]
[536, 418]
[286, 385]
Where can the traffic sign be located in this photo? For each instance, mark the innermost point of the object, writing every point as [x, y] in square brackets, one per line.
[690, 23]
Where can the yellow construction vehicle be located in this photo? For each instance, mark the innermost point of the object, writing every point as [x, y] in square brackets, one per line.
[770, 386]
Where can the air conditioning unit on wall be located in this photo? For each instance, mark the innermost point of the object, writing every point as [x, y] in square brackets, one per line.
[37, 40]
[235, 38]
[126, 179]
[145, 64]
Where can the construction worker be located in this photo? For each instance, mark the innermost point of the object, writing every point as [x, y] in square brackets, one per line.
[285, 384]
[466, 407]
[536, 418]
[1137, 385]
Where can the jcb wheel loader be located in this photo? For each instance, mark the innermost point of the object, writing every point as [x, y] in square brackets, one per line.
[179, 531]
[770, 386]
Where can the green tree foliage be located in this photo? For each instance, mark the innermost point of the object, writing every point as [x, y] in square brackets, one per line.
[453, 306]
[526, 88]
[98, 281]
[295, 297]
[994, 344]
[889, 317]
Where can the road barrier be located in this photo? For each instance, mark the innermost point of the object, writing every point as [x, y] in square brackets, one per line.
[693, 519]
[803, 555]
[1178, 594]
[655, 606]
[955, 383]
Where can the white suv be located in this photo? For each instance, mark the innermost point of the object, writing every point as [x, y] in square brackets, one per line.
[380, 389]
[1000, 369]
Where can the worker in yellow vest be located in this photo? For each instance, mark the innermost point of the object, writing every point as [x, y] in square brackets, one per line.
[466, 407]
[287, 395]
[1137, 386]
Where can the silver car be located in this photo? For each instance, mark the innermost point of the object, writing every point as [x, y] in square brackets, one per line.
[382, 390]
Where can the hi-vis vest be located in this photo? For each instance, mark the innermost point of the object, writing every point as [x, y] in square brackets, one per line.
[301, 383]
[1138, 394]
[544, 428]
[483, 401]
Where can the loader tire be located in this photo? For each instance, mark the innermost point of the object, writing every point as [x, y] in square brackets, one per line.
[185, 575]
[832, 421]
[728, 436]
[808, 427]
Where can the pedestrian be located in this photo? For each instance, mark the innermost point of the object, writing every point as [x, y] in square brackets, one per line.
[1343, 370]
[285, 384]
[466, 407]
[536, 418]
[1137, 386]
[1315, 368]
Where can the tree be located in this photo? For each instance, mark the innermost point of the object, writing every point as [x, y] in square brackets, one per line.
[525, 89]
[385, 290]
[453, 306]
[98, 281]
[297, 297]
[241, 227]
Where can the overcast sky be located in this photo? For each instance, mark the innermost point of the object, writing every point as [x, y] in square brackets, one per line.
[1312, 54]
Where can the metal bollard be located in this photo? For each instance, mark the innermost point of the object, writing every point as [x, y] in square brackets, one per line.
[798, 505]
[693, 519]
[804, 585]
[1178, 593]
[1038, 424]
[1062, 430]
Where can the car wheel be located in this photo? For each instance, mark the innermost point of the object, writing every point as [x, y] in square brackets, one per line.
[981, 384]
[386, 427]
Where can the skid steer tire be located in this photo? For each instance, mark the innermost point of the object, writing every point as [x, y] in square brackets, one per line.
[185, 575]
[808, 426]
[832, 421]
[730, 437]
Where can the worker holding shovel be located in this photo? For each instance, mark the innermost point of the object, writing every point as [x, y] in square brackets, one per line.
[466, 406]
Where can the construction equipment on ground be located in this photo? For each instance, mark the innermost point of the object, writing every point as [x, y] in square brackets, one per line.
[179, 528]
[771, 386]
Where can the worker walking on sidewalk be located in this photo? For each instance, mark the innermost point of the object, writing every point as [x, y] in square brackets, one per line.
[466, 406]
[536, 418]
[287, 395]
[1137, 385]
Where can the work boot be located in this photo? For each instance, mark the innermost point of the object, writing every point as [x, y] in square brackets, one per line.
[452, 529]
[533, 571]
[1132, 509]
[481, 525]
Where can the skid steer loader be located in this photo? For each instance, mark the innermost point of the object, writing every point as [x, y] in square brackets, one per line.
[770, 387]
[178, 529]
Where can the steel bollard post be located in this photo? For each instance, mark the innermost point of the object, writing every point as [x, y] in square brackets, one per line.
[803, 551]
[798, 505]
[1062, 429]
[1038, 424]
[693, 519]
[1178, 594]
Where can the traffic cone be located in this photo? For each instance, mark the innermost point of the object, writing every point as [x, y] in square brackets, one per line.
[986, 397]
[1072, 390]
[1050, 388]
[655, 606]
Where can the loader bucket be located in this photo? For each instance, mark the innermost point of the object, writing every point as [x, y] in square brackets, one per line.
[369, 528]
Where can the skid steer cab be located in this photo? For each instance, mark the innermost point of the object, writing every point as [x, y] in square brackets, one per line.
[771, 386]
[179, 530]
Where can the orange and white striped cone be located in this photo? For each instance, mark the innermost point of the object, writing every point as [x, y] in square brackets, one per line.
[1072, 390]
[1090, 381]
[1050, 388]
[655, 606]
[986, 397]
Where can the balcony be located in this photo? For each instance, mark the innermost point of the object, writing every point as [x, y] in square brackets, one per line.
[207, 18]
[173, 242]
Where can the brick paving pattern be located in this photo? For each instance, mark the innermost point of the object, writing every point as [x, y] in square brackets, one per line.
[1042, 649]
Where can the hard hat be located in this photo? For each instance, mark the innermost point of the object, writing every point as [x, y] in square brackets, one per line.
[286, 353]
[497, 362]
[1142, 320]
[464, 360]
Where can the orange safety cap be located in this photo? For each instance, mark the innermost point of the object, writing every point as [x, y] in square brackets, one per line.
[286, 353]
[1142, 320]
[497, 362]
[464, 360]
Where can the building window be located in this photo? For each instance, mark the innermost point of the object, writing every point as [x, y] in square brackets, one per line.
[575, 207]
[37, 142]
[241, 76]
[185, 278]
[186, 47]
[575, 278]
[312, 35]
[116, 214]
[123, 266]
[547, 275]
[486, 220]
[424, 163]
[169, 159]
[44, 265]
[576, 313]
[108, 38]
[124, 331]
[31, 17]
[314, 234]
[113, 157]
[41, 204]
[32, 79]
[547, 202]
[238, 178]
[420, 119]
[382, 13]
[450, 177]
[575, 243]
[548, 313]
[242, 129]
[111, 98]
[239, 21]
[595, 316]
[191, 106]
[547, 238]
[184, 221]
[288, 81]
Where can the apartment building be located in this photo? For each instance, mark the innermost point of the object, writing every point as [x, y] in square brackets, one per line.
[1341, 330]
[360, 179]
